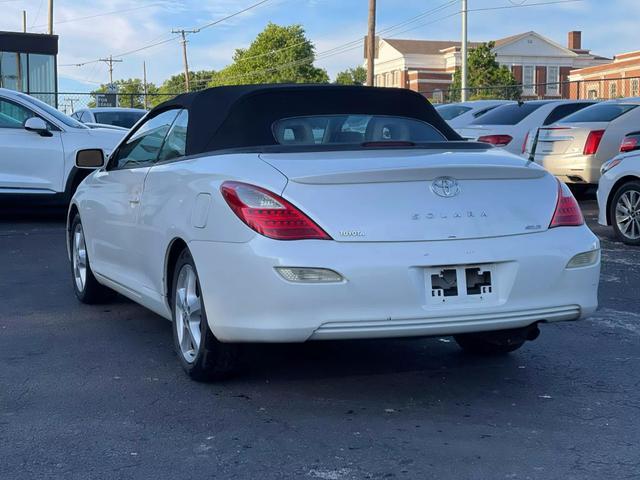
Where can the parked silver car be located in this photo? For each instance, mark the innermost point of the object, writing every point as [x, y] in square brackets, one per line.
[462, 113]
[116, 116]
[575, 148]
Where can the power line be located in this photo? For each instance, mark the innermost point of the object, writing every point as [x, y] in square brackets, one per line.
[105, 14]
[239, 12]
[167, 40]
[522, 5]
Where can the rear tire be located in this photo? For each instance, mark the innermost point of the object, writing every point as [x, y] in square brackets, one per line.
[85, 285]
[624, 213]
[201, 355]
[495, 343]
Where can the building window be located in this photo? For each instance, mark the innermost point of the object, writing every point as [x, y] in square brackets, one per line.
[438, 96]
[396, 79]
[635, 87]
[613, 89]
[389, 79]
[553, 79]
[13, 71]
[592, 94]
[529, 80]
[42, 77]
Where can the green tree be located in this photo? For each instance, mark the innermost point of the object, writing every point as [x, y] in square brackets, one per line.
[279, 54]
[486, 78]
[352, 76]
[130, 92]
[174, 85]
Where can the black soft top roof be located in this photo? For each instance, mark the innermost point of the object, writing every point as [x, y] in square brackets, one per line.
[241, 116]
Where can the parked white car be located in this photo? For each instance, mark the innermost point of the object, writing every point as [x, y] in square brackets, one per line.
[296, 213]
[508, 126]
[116, 116]
[460, 114]
[575, 148]
[619, 192]
[38, 146]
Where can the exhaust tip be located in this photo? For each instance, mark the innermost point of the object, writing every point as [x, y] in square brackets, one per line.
[533, 332]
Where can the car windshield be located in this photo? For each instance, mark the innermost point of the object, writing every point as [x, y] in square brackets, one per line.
[57, 114]
[119, 118]
[449, 112]
[352, 129]
[511, 114]
[602, 112]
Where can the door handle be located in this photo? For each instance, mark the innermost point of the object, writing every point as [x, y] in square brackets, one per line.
[135, 199]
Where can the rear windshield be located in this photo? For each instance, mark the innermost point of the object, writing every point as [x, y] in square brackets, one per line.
[602, 112]
[352, 130]
[449, 112]
[119, 119]
[507, 114]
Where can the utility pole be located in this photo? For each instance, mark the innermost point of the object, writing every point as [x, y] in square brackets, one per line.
[371, 42]
[24, 21]
[110, 61]
[144, 85]
[50, 17]
[463, 51]
[183, 33]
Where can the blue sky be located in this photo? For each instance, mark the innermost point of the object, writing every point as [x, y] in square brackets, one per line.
[608, 27]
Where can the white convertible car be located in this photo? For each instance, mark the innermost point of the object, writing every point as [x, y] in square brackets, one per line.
[295, 213]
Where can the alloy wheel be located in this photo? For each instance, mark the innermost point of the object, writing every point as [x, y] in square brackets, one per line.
[628, 214]
[188, 312]
[79, 256]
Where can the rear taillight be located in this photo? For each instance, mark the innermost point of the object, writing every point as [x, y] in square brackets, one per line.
[524, 144]
[593, 142]
[496, 140]
[269, 214]
[630, 143]
[567, 212]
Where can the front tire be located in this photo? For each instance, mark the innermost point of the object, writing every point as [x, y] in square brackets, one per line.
[495, 343]
[85, 285]
[625, 213]
[201, 355]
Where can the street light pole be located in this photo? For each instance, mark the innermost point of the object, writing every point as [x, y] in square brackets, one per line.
[371, 42]
[182, 32]
[463, 52]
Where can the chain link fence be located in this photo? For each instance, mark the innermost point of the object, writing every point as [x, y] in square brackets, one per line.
[69, 102]
[599, 89]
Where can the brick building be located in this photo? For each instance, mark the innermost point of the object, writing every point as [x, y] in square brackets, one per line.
[427, 66]
[620, 78]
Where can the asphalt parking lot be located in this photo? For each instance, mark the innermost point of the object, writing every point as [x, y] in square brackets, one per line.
[96, 392]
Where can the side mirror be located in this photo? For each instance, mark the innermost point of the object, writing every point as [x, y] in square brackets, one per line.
[38, 125]
[90, 158]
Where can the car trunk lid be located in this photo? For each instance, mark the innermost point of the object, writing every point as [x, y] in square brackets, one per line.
[417, 195]
[565, 139]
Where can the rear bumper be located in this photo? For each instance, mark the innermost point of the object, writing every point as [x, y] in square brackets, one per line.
[572, 168]
[387, 291]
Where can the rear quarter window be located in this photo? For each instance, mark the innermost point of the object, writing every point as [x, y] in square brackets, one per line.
[511, 114]
[603, 112]
[564, 110]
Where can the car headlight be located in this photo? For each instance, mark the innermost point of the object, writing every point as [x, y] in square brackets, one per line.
[606, 166]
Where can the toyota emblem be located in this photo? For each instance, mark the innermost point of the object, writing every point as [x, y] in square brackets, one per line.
[445, 187]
